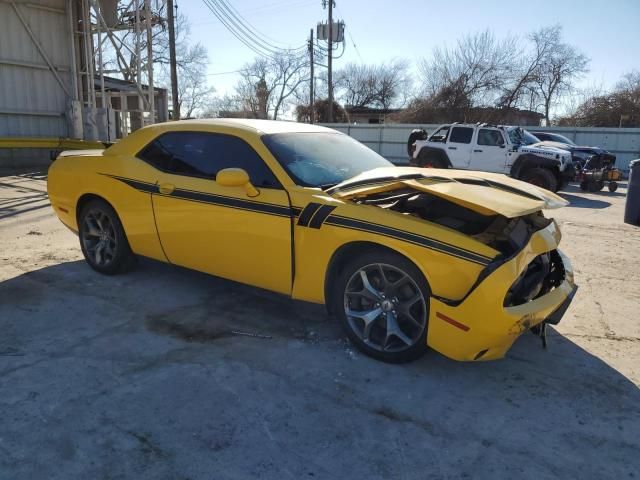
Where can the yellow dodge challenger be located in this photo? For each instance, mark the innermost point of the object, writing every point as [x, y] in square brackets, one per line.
[407, 258]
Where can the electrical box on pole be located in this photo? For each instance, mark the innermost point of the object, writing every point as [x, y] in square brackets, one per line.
[337, 31]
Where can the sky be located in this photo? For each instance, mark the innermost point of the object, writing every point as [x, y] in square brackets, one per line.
[608, 32]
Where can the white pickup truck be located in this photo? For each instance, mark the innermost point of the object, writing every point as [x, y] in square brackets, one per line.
[494, 148]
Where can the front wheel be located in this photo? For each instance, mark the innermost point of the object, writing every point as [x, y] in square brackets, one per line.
[430, 160]
[103, 240]
[541, 177]
[382, 300]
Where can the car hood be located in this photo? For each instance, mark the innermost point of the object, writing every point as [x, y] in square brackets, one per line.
[550, 144]
[482, 192]
[570, 148]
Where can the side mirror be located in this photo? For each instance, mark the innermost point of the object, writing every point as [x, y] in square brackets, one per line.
[501, 143]
[236, 177]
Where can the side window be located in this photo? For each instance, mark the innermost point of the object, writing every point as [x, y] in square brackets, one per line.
[490, 137]
[461, 135]
[201, 154]
[440, 135]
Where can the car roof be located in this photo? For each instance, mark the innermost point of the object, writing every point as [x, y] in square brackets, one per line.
[250, 124]
[142, 136]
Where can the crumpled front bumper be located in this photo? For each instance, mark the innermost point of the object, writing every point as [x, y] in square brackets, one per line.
[480, 327]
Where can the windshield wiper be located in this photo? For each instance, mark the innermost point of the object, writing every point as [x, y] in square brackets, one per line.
[327, 186]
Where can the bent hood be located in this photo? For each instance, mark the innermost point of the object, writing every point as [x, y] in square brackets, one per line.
[482, 192]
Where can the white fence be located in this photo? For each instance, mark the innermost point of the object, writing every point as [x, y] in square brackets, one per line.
[390, 140]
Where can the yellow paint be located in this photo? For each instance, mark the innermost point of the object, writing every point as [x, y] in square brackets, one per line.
[48, 143]
[256, 248]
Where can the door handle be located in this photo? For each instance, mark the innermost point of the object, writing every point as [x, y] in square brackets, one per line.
[477, 150]
[166, 188]
[453, 148]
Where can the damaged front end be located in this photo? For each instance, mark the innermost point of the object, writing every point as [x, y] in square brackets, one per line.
[527, 284]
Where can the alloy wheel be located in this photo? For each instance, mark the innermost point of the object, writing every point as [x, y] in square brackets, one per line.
[99, 237]
[385, 308]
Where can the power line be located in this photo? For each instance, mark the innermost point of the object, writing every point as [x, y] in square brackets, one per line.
[243, 31]
[229, 27]
[350, 36]
[247, 29]
[223, 73]
[256, 32]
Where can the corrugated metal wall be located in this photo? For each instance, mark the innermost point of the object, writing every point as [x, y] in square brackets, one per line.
[32, 101]
[390, 140]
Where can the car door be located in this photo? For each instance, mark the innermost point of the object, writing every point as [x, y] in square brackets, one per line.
[459, 146]
[489, 152]
[219, 229]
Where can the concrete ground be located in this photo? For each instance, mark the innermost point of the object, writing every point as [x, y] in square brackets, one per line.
[165, 373]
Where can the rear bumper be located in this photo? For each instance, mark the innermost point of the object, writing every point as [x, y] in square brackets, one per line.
[481, 327]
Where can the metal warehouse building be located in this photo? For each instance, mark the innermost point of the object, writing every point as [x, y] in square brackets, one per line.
[52, 88]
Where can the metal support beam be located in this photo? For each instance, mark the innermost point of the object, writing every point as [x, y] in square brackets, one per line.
[37, 66]
[100, 18]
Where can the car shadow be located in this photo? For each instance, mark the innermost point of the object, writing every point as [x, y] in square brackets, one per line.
[582, 202]
[538, 413]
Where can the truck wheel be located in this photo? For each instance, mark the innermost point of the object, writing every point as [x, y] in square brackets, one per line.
[613, 186]
[541, 177]
[431, 161]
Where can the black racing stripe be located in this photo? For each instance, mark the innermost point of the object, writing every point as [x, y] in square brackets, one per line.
[499, 186]
[409, 237]
[209, 198]
[375, 181]
[307, 213]
[321, 215]
[137, 184]
[295, 211]
[219, 200]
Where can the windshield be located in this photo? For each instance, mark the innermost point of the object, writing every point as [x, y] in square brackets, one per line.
[322, 159]
[518, 136]
[561, 139]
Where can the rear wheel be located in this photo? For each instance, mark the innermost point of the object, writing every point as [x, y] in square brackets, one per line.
[382, 300]
[541, 177]
[103, 240]
[613, 186]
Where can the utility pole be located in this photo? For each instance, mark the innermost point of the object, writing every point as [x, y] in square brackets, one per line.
[330, 72]
[172, 60]
[311, 106]
[152, 92]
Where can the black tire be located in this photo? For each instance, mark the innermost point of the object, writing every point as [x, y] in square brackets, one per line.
[103, 240]
[406, 304]
[595, 186]
[613, 186]
[541, 177]
[584, 186]
[431, 160]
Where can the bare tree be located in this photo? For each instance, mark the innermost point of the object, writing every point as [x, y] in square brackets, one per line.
[617, 108]
[383, 85]
[474, 70]
[267, 85]
[357, 85]
[557, 72]
[519, 88]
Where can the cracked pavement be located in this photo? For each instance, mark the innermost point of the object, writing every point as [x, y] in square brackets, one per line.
[165, 373]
